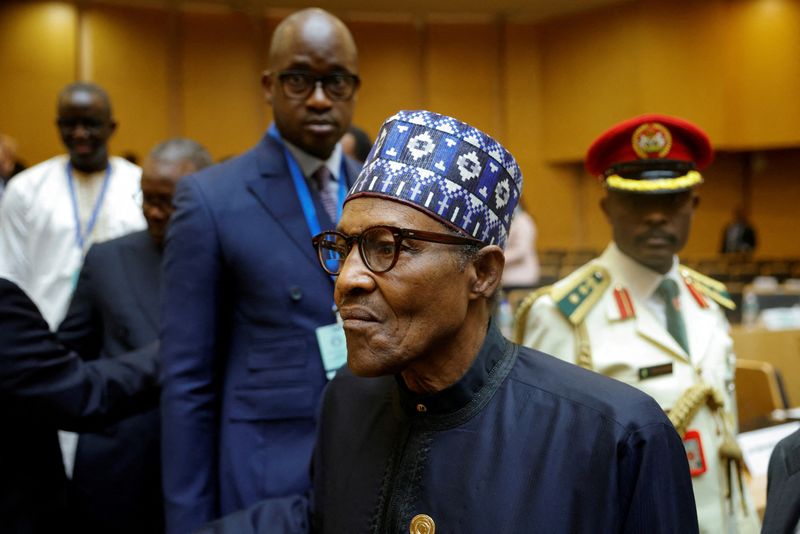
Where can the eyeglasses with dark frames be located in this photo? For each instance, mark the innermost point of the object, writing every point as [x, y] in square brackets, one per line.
[378, 246]
[89, 124]
[299, 84]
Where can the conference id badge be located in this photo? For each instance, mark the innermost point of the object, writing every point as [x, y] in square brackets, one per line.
[694, 453]
[332, 347]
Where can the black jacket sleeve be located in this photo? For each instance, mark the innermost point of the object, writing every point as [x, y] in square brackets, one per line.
[82, 328]
[40, 379]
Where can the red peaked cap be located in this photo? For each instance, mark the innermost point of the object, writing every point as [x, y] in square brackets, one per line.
[683, 141]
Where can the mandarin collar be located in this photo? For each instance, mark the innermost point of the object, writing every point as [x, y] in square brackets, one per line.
[459, 394]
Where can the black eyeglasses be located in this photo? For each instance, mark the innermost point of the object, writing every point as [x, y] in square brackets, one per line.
[92, 125]
[299, 84]
[379, 246]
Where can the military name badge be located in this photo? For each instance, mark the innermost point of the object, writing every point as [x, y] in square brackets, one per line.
[655, 370]
[332, 347]
[651, 140]
[694, 453]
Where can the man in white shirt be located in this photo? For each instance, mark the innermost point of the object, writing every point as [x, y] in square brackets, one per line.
[51, 213]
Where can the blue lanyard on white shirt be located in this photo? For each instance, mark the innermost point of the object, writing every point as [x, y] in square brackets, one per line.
[81, 237]
[301, 186]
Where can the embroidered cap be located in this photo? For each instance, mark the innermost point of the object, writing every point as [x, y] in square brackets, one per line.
[445, 168]
[650, 154]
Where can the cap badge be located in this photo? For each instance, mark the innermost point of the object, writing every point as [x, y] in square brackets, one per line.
[651, 140]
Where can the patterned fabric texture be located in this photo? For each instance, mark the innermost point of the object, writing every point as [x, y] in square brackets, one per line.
[446, 168]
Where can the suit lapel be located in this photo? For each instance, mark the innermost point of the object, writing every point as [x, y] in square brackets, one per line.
[275, 191]
[142, 264]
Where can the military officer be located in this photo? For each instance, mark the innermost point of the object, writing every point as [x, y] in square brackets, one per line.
[637, 315]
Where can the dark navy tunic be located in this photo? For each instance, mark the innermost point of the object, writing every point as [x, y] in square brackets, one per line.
[523, 442]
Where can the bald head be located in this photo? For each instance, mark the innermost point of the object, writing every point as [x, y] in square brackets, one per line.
[311, 25]
[84, 91]
[312, 57]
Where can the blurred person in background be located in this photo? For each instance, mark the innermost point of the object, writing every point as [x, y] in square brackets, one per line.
[243, 295]
[522, 262]
[51, 213]
[116, 483]
[356, 144]
[738, 236]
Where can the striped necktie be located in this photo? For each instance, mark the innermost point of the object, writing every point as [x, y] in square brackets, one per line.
[326, 187]
[668, 290]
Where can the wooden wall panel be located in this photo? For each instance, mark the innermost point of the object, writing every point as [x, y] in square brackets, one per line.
[762, 50]
[221, 64]
[545, 89]
[461, 73]
[590, 69]
[774, 202]
[37, 59]
[389, 64]
[681, 70]
[548, 192]
[127, 54]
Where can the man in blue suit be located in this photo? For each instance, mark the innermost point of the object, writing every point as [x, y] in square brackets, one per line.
[116, 483]
[243, 294]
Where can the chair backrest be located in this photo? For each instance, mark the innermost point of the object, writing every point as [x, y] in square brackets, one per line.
[757, 394]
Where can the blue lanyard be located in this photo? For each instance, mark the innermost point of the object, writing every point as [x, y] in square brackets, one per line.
[81, 237]
[301, 186]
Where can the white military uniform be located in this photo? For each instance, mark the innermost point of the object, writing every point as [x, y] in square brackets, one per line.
[38, 243]
[606, 316]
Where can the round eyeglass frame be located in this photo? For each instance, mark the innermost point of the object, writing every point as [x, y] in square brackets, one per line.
[325, 81]
[398, 234]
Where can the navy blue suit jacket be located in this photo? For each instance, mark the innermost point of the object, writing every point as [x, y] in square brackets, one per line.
[43, 387]
[783, 487]
[116, 483]
[243, 295]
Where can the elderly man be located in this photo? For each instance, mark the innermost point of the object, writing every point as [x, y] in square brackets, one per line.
[637, 315]
[440, 423]
[116, 484]
[243, 294]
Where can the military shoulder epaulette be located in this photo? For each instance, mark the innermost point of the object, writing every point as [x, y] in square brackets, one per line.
[700, 285]
[579, 292]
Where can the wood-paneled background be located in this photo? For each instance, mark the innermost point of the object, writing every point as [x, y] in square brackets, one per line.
[545, 89]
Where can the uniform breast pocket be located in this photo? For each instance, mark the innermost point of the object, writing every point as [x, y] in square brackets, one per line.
[278, 353]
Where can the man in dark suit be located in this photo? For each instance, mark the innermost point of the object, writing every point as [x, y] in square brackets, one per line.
[243, 292]
[116, 484]
[782, 515]
[43, 387]
[738, 236]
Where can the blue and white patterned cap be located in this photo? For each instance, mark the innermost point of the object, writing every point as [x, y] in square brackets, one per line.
[447, 169]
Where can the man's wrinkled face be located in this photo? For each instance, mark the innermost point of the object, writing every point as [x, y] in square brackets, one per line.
[316, 123]
[85, 124]
[409, 314]
[650, 228]
[159, 179]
